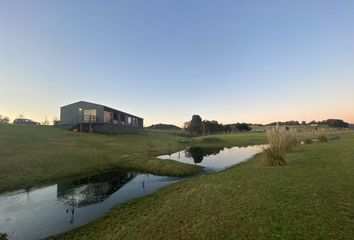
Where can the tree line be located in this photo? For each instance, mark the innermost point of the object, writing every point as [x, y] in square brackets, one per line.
[338, 123]
[197, 126]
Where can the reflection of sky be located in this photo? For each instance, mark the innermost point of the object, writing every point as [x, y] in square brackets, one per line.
[226, 157]
[250, 61]
[38, 213]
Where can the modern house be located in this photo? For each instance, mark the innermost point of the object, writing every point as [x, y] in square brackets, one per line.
[88, 116]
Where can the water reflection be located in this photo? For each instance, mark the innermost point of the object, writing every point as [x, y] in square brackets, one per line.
[39, 213]
[214, 158]
[91, 190]
[198, 153]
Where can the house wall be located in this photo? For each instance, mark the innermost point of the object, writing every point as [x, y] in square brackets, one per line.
[115, 128]
[71, 115]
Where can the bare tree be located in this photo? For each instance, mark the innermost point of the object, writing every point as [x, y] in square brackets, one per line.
[45, 122]
[4, 120]
[55, 121]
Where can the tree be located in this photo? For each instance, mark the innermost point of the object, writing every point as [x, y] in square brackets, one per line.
[338, 123]
[303, 123]
[238, 127]
[186, 125]
[45, 122]
[195, 126]
[4, 120]
[55, 121]
[214, 127]
[21, 116]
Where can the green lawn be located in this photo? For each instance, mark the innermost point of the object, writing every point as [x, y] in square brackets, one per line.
[310, 198]
[230, 140]
[31, 155]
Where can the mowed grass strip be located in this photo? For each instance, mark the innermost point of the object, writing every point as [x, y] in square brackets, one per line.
[312, 197]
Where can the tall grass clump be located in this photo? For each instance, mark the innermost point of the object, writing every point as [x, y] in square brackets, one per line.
[281, 140]
[308, 141]
[322, 135]
[307, 137]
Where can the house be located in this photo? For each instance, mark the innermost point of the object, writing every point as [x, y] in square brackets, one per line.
[86, 116]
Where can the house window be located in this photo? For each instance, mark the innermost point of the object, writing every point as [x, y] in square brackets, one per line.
[129, 121]
[135, 122]
[90, 115]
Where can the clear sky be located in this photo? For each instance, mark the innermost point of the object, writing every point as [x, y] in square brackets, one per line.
[231, 61]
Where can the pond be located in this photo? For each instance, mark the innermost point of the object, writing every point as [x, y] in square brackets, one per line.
[41, 212]
[215, 158]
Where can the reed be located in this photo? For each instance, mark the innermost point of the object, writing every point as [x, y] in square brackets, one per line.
[281, 140]
[322, 135]
[307, 137]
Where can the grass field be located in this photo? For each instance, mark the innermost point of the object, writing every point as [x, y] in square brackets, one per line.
[31, 155]
[310, 198]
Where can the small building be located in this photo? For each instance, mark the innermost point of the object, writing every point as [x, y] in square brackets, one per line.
[86, 116]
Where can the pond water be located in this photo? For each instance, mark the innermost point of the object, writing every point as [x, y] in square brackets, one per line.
[42, 212]
[215, 159]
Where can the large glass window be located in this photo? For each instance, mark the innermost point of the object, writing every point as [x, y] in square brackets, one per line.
[90, 115]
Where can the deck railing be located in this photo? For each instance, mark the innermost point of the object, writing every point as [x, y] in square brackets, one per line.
[90, 119]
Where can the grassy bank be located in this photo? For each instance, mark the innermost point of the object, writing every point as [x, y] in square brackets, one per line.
[230, 140]
[31, 155]
[309, 198]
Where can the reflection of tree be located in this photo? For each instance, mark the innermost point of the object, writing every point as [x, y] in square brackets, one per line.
[91, 190]
[72, 210]
[198, 153]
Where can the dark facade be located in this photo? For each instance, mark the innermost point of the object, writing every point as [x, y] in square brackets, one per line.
[101, 118]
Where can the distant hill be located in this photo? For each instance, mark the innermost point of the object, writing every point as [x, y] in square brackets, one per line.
[162, 126]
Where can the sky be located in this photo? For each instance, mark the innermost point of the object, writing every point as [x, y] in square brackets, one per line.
[164, 60]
